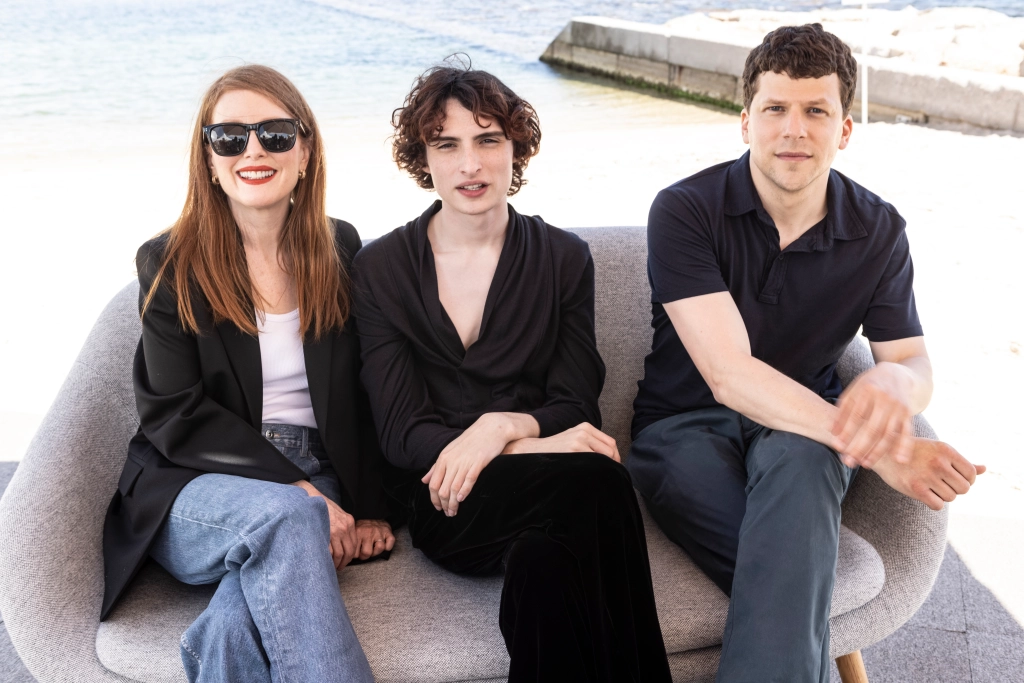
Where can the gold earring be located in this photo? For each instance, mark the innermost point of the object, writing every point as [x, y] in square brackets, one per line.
[302, 174]
[215, 180]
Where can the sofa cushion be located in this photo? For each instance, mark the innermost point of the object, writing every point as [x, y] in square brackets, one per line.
[692, 609]
[421, 624]
[622, 303]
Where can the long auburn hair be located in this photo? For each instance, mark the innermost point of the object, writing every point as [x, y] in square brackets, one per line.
[204, 252]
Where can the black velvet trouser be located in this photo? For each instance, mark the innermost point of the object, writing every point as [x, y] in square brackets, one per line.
[577, 603]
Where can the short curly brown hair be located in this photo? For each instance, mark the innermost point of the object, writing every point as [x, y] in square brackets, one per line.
[421, 118]
[807, 51]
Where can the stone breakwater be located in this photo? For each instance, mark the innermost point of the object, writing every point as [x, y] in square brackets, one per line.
[954, 64]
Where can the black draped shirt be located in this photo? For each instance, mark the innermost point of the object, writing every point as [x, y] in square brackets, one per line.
[536, 354]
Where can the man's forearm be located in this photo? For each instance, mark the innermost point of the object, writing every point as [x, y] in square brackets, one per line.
[915, 377]
[902, 370]
[766, 396]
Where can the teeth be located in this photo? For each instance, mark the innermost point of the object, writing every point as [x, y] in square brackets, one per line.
[256, 175]
[472, 187]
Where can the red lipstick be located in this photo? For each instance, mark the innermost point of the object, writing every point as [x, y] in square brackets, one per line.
[257, 175]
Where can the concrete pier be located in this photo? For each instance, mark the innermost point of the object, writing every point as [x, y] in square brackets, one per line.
[708, 66]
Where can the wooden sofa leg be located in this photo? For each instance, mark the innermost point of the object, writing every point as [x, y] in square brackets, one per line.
[851, 668]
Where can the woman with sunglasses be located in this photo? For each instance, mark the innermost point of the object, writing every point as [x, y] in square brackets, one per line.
[256, 463]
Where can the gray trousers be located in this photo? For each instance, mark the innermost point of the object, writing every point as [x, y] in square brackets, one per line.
[758, 510]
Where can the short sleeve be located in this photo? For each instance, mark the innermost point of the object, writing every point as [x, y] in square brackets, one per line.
[892, 313]
[682, 261]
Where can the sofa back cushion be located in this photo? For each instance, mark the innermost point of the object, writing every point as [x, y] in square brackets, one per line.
[623, 320]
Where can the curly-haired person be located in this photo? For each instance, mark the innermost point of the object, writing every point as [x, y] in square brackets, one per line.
[477, 331]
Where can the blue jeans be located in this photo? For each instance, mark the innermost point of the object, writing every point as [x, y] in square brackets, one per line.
[277, 614]
[758, 510]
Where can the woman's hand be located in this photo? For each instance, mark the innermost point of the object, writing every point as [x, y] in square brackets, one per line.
[344, 541]
[583, 438]
[374, 537]
[455, 471]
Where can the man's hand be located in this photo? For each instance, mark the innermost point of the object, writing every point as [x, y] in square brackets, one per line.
[933, 474]
[454, 473]
[374, 536]
[344, 543]
[874, 417]
[583, 438]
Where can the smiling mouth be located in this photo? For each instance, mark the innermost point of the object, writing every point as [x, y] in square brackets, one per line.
[473, 187]
[256, 175]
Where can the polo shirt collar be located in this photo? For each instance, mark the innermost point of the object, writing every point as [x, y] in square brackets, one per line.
[841, 221]
[740, 194]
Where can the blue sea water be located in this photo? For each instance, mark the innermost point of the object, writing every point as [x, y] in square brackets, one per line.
[147, 61]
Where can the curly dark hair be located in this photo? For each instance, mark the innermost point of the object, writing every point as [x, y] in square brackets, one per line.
[807, 51]
[421, 118]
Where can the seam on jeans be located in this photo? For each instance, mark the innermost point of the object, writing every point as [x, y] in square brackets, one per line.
[273, 629]
[192, 652]
[212, 526]
[262, 589]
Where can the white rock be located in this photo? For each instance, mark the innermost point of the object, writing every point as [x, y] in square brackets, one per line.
[962, 37]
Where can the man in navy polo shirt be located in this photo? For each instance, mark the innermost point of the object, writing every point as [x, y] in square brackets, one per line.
[762, 271]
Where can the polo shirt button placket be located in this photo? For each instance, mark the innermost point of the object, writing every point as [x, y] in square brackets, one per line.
[776, 276]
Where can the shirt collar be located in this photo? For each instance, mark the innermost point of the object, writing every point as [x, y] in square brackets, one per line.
[740, 195]
[841, 221]
[423, 222]
[421, 226]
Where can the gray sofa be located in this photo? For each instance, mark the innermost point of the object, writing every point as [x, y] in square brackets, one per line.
[415, 621]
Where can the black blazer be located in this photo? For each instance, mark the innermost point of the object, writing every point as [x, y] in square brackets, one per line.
[200, 401]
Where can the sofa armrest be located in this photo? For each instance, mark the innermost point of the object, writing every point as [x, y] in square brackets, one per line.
[909, 537]
[51, 516]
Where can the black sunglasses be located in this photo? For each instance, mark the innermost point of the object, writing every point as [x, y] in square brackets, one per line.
[231, 139]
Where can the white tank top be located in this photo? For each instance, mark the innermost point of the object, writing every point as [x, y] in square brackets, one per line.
[285, 387]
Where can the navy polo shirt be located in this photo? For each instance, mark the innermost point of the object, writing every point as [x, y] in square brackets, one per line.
[801, 305]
